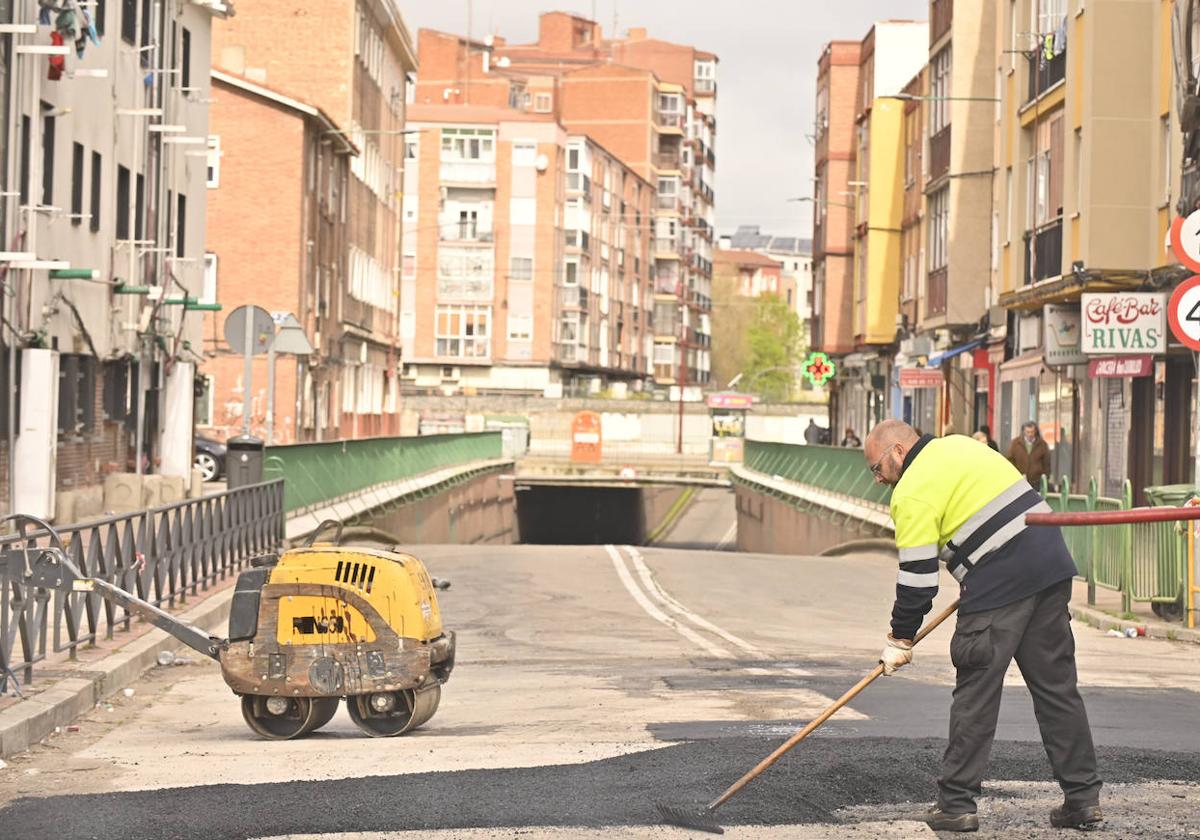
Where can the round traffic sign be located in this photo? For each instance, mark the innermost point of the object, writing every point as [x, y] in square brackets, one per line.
[1183, 312]
[1185, 240]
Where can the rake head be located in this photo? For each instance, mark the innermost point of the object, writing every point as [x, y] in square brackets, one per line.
[699, 817]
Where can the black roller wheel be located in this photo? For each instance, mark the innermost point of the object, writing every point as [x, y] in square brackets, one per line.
[280, 718]
[324, 708]
[384, 714]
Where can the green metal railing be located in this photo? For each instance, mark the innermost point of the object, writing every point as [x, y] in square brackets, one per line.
[1143, 562]
[834, 469]
[319, 472]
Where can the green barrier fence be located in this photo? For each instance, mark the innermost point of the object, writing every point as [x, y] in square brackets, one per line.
[1144, 561]
[319, 472]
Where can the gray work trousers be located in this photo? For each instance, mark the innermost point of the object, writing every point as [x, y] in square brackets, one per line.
[1037, 632]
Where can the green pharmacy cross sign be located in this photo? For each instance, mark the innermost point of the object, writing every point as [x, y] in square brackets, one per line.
[819, 369]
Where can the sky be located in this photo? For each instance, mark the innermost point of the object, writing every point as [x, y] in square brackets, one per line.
[766, 78]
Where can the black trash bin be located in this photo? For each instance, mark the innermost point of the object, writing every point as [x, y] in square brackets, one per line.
[244, 461]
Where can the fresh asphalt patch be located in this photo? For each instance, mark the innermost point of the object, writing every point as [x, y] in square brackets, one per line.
[807, 786]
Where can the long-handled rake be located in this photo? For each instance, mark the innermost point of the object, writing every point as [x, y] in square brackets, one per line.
[703, 818]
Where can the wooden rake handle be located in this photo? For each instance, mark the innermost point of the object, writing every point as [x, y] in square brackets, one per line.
[824, 716]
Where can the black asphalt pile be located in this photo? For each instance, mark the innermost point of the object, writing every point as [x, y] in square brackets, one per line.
[806, 786]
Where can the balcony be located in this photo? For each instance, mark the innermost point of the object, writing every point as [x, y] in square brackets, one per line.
[468, 172]
[708, 86]
[667, 202]
[666, 160]
[1044, 74]
[1043, 252]
[670, 120]
[939, 154]
[666, 284]
[577, 182]
[574, 297]
[935, 292]
[465, 233]
[578, 239]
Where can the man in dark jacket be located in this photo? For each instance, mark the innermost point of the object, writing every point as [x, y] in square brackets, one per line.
[1030, 455]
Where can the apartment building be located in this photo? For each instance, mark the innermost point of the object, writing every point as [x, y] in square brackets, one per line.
[351, 63]
[795, 259]
[527, 257]
[739, 278]
[890, 55]
[290, 162]
[106, 120]
[949, 113]
[1086, 155]
[652, 103]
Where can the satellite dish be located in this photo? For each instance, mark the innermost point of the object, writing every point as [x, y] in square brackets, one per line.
[541, 163]
[504, 61]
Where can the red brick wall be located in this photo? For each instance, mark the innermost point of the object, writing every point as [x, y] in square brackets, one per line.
[613, 106]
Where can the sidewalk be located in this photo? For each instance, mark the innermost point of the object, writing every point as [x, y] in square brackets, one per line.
[1107, 615]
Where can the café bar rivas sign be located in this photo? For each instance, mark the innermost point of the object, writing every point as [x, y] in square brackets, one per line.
[1121, 323]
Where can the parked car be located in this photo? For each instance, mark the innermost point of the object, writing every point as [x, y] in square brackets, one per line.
[209, 458]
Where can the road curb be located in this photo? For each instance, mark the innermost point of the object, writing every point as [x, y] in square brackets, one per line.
[1153, 629]
[31, 720]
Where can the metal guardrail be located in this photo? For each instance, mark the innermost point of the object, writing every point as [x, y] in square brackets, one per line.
[162, 555]
[1144, 562]
[317, 473]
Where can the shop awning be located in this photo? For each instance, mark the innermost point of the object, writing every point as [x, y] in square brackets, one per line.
[937, 359]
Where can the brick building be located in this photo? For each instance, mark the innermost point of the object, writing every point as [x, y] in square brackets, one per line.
[526, 257]
[291, 163]
[351, 63]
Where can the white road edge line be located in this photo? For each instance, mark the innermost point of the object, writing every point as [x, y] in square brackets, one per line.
[657, 614]
[729, 537]
[664, 598]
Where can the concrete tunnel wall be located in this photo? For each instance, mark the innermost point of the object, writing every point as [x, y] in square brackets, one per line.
[767, 525]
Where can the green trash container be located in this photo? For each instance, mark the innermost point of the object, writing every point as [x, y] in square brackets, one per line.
[1172, 555]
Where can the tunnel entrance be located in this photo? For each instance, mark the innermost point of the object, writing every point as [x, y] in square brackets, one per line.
[573, 515]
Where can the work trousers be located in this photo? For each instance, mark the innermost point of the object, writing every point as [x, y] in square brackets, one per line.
[1036, 631]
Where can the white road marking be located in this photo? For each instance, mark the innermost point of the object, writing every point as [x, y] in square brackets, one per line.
[666, 600]
[657, 614]
[729, 537]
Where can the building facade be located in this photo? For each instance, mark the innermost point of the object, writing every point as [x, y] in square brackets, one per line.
[353, 69]
[106, 125]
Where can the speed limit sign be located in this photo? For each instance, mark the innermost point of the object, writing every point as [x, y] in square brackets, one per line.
[1185, 240]
[1183, 312]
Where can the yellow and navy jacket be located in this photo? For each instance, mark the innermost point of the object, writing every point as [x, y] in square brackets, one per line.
[961, 503]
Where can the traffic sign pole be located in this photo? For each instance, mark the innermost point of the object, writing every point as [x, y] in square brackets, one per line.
[247, 369]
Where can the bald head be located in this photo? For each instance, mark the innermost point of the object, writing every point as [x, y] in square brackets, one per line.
[885, 449]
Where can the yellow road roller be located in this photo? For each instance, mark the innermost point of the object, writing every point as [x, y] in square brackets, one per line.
[307, 628]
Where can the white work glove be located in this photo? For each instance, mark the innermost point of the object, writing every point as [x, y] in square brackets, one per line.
[896, 654]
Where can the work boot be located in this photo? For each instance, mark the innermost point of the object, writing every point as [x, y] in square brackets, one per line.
[939, 820]
[1081, 817]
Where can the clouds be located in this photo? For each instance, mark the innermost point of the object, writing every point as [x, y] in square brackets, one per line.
[766, 78]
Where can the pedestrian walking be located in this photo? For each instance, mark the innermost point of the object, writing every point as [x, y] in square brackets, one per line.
[850, 440]
[963, 505]
[986, 431]
[1030, 455]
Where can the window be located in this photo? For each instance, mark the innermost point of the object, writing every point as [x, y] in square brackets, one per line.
[410, 149]
[541, 102]
[76, 183]
[939, 91]
[516, 96]
[1046, 16]
[573, 159]
[520, 268]
[129, 20]
[76, 393]
[463, 331]
[939, 228]
[97, 173]
[123, 204]
[520, 327]
[26, 132]
[209, 293]
[524, 154]
[705, 77]
[212, 178]
[139, 206]
[465, 274]
[468, 144]
[202, 414]
[1045, 171]
[48, 122]
[369, 283]
[98, 16]
[147, 32]
[180, 225]
[571, 273]
[186, 70]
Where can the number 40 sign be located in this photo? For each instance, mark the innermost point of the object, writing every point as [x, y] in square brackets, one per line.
[1183, 310]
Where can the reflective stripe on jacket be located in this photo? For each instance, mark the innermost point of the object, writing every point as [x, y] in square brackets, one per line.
[963, 504]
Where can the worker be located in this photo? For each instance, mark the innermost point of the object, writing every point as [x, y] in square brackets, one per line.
[962, 504]
[1029, 453]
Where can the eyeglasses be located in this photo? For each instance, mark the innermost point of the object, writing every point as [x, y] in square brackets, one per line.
[877, 469]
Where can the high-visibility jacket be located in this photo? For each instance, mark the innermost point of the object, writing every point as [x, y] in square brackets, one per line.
[963, 504]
